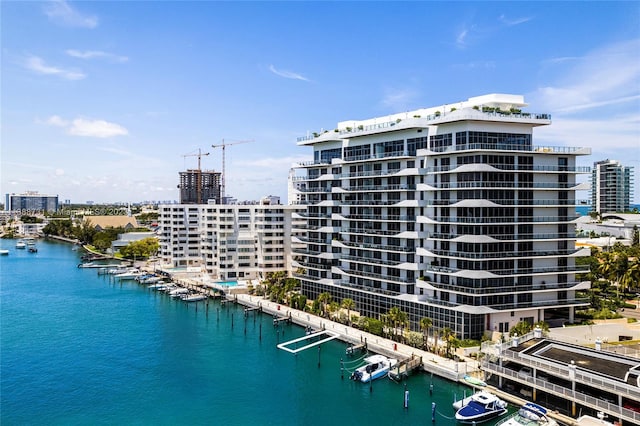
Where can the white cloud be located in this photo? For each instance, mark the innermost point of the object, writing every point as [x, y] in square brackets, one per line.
[37, 65]
[60, 12]
[461, 38]
[611, 134]
[96, 128]
[398, 99]
[510, 22]
[287, 74]
[87, 127]
[607, 76]
[91, 54]
[57, 121]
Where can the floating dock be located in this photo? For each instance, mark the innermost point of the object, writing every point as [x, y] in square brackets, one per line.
[313, 337]
[405, 367]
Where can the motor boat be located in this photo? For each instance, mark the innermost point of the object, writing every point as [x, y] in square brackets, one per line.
[376, 366]
[530, 414]
[21, 244]
[481, 395]
[480, 407]
[178, 292]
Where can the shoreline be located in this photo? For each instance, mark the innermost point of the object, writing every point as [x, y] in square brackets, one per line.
[431, 363]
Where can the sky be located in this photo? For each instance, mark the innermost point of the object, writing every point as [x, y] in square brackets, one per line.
[107, 101]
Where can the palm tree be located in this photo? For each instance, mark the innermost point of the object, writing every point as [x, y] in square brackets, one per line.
[425, 325]
[348, 304]
[394, 315]
[631, 276]
[448, 336]
[333, 308]
[324, 299]
[521, 328]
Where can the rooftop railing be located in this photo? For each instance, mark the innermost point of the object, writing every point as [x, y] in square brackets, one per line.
[416, 120]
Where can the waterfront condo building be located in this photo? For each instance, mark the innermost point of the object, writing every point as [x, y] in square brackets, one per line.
[450, 213]
[228, 241]
[611, 187]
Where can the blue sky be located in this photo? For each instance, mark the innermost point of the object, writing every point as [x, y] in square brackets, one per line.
[102, 101]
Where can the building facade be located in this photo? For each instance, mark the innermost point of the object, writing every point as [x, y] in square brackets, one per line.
[611, 187]
[228, 242]
[449, 213]
[32, 202]
[199, 186]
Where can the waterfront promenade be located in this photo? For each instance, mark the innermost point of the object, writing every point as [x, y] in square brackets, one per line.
[430, 363]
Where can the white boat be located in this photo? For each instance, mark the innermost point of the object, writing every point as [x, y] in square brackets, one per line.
[474, 381]
[158, 286]
[481, 395]
[376, 366]
[529, 414]
[129, 275]
[178, 292]
[480, 407]
[193, 297]
[594, 421]
[21, 244]
[4, 252]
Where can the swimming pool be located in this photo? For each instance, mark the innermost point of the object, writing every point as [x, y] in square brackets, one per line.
[227, 283]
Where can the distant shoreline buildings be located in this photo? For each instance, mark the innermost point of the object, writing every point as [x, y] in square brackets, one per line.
[31, 201]
[611, 187]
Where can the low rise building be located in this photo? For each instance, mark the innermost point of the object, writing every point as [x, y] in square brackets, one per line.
[228, 241]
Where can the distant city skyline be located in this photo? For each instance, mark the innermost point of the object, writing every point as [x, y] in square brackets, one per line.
[100, 105]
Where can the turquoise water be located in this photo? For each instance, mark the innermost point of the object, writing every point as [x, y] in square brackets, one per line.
[80, 348]
[227, 283]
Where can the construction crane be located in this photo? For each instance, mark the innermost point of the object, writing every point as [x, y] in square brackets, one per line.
[199, 155]
[223, 145]
[198, 174]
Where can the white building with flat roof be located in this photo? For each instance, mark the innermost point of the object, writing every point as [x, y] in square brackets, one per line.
[228, 241]
[450, 213]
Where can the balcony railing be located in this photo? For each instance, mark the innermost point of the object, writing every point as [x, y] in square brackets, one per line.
[371, 231]
[506, 237]
[508, 202]
[514, 272]
[513, 185]
[388, 218]
[520, 219]
[381, 277]
[507, 289]
[509, 147]
[401, 249]
[368, 188]
[503, 254]
[519, 168]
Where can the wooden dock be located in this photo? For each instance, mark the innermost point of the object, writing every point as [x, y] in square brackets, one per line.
[405, 367]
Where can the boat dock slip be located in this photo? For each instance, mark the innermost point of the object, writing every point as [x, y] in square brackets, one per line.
[352, 349]
[405, 367]
[277, 321]
[332, 335]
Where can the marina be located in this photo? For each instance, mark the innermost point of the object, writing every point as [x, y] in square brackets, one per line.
[326, 352]
[76, 339]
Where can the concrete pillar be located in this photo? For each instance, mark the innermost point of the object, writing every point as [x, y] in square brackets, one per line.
[572, 377]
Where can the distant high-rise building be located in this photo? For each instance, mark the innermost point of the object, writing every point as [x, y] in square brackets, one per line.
[611, 187]
[31, 201]
[199, 186]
